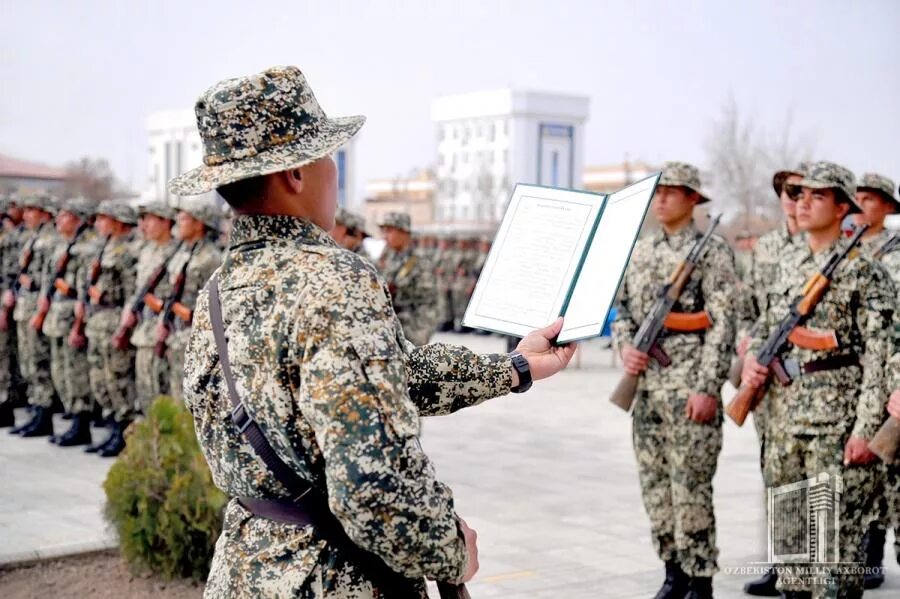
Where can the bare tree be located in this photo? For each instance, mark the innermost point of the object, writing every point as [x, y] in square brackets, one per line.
[742, 159]
[91, 178]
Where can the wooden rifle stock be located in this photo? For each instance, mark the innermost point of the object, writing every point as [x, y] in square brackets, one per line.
[886, 441]
[623, 394]
[448, 590]
[734, 374]
[743, 403]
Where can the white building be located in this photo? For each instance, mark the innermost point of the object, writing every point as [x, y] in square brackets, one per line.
[175, 147]
[489, 141]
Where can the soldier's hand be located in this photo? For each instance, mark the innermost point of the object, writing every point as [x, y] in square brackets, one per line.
[471, 551]
[701, 408]
[753, 373]
[128, 319]
[43, 304]
[893, 406]
[544, 358]
[856, 452]
[9, 299]
[79, 310]
[77, 341]
[635, 361]
[742, 346]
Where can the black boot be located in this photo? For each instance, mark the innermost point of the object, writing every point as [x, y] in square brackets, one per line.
[676, 583]
[79, 433]
[97, 418]
[764, 586]
[699, 587]
[796, 595]
[873, 544]
[99, 445]
[7, 416]
[117, 441]
[41, 424]
[67, 416]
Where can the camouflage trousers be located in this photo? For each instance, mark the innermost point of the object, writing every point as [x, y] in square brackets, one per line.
[676, 460]
[885, 512]
[70, 374]
[175, 357]
[111, 377]
[34, 360]
[151, 377]
[12, 387]
[792, 458]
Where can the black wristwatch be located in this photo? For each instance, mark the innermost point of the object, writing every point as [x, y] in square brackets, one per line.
[521, 365]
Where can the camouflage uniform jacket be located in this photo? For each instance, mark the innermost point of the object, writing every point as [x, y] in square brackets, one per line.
[770, 250]
[859, 306]
[700, 361]
[870, 245]
[201, 260]
[115, 283]
[46, 239]
[11, 240]
[322, 366]
[150, 258]
[61, 315]
[411, 281]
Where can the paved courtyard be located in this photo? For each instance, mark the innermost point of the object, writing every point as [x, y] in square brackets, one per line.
[547, 479]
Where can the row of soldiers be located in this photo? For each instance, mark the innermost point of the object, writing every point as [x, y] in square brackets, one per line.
[819, 420]
[97, 308]
[430, 277]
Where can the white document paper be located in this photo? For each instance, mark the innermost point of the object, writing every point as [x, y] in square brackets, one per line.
[558, 252]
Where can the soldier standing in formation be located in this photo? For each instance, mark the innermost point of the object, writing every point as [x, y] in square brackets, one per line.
[12, 386]
[678, 410]
[33, 347]
[823, 421]
[410, 279]
[349, 232]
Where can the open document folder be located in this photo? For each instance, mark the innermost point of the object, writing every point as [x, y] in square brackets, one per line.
[558, 252]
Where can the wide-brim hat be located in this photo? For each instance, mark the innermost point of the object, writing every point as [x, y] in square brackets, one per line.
[398, 220]
[261, 124]
[780, 177]
[157, 208]
[118, 210]
[207, 214]
[828, 175]
[682, 174]
[80, 207]
[880, 184]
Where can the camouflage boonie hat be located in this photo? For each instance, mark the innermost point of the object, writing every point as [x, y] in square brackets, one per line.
[879, 183]
[682, 174]
[118, 210]
[356, 222]
[42, 201]
[261, 124]
[160, 209]
[828, 175]
[205, 213]
[780, 177]
[398, 220]
[80, 207]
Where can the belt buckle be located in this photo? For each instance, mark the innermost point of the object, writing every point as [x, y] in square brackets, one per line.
[792, 368]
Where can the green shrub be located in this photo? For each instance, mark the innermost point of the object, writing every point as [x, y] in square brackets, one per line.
[160, 497]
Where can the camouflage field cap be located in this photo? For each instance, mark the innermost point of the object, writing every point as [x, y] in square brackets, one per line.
[356, 222]
[157, 208]
[261, 124]
[828, 175]
[682, 174]
[207, 214]
[879, 183]
[80, 207]
[118, 210]
[780, 177]
[398, 220]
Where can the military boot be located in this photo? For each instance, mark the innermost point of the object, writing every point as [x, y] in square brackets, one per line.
[117, 441]
[676, 583]
[763, 586]
[99, 445]
[699, 587]
[41, 424]
[796, 595]
[7, 416]
[873, 543]
[79, 433]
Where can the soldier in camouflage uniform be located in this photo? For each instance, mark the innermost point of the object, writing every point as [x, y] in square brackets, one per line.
[151, 372]
[835, 403]
[464, 280]
[34, 348]
[771, 250]
[12, 386]
[444, 269]
[349, 232]
[875, 196]
[111, 371]
[678, 410]
[195, 262]
[410, 279]
[68, 365]
[321, 364]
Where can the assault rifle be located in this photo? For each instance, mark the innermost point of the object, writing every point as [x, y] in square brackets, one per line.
[661, 317]
[789, 330]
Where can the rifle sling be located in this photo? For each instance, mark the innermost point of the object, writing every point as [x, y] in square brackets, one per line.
[308, 507]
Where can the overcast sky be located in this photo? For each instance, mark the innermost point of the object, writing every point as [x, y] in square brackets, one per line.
[79, 78]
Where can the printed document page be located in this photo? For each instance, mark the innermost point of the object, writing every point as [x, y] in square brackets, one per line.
[528, 273]
[606, 260]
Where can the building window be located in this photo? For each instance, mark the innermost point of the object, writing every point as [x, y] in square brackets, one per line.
[341, 159]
